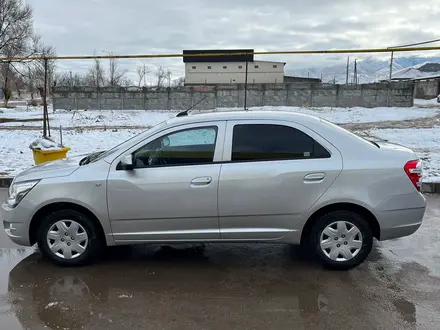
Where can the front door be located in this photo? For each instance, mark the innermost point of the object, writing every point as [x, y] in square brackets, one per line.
[172, 192]
[274, 172]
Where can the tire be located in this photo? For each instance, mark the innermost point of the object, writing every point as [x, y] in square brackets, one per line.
[344, 251]
[82, 238]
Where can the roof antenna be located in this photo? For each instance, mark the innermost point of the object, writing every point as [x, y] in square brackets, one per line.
[185, 113]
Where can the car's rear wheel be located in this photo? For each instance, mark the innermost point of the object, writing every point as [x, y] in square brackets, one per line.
[341, 239]
[68, 238]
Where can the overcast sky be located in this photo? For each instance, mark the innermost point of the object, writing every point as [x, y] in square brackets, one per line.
[80, 27]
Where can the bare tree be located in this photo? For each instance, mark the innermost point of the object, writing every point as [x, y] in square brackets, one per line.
[179, 82]
[116, 75]
[15, 26]
[15, 34]
[142, 71]
[96, 74]
[161, 76]
[37, 67]
[127, 82]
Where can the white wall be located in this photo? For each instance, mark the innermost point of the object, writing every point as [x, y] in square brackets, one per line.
[259, 72]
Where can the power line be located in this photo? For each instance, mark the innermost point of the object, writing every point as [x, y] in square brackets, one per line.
[417, 43]
[293, 52]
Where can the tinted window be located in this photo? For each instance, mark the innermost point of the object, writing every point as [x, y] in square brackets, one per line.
[273, 142]
[190, 146]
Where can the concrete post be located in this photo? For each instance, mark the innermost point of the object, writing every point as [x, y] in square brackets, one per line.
[122, 98]
[337, 96]
[238, 96]
[263, 95]
[98, 96]
[312, 87]
[389, 94]
[362, 96]
[76, 97]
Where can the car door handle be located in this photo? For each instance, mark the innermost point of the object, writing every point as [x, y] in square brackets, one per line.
[314, 177]
[200, 182]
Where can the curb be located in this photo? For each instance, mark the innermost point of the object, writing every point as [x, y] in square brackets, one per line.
[431, 187]
[427, 187]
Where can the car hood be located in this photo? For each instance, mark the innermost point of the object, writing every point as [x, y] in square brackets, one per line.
[57, 168]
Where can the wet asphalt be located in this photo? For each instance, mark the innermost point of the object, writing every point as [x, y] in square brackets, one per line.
[226, 286]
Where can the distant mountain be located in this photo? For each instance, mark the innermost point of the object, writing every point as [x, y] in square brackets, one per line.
[369, 69]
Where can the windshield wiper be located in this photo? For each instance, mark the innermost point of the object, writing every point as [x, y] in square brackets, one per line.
[90, 158]
[84, 161]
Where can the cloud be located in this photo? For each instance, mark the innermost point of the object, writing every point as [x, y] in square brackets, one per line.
[138, 26]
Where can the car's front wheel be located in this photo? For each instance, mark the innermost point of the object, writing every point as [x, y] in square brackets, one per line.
[341, 239]
[68, 238]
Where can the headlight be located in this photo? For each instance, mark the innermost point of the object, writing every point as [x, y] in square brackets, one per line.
[17, 191]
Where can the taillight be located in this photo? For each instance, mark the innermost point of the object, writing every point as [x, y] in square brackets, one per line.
[414, 171]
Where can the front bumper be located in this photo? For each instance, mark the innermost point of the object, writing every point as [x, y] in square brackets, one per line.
[16, 225]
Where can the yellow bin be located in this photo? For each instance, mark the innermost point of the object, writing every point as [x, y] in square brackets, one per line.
[43, 156]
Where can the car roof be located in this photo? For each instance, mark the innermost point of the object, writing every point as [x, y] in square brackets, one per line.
[244, 115]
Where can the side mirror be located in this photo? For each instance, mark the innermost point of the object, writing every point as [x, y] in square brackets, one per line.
[127, 163]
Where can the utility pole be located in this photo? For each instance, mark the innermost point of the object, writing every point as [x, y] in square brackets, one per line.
[245, 84]
[348, 68]
[391, 66]
[355, 79]
[45, 115]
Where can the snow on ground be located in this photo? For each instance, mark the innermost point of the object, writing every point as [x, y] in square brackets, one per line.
[424, 141]
[86, 118]
[15, 155]
[426, 103]
[151, 117]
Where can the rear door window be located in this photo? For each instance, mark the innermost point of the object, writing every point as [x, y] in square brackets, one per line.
[263, 142]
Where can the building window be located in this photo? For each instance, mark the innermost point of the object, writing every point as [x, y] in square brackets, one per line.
[240, 66]
[193, 67]
[209, 67]
[275, 66]
[225, 67]
[256, 67]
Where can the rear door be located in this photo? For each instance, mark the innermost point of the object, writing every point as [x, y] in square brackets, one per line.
[273, 172]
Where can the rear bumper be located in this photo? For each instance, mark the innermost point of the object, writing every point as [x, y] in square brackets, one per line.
[400, 223]
[400, 215]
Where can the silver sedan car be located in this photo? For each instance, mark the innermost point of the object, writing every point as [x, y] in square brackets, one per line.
[223, 177]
